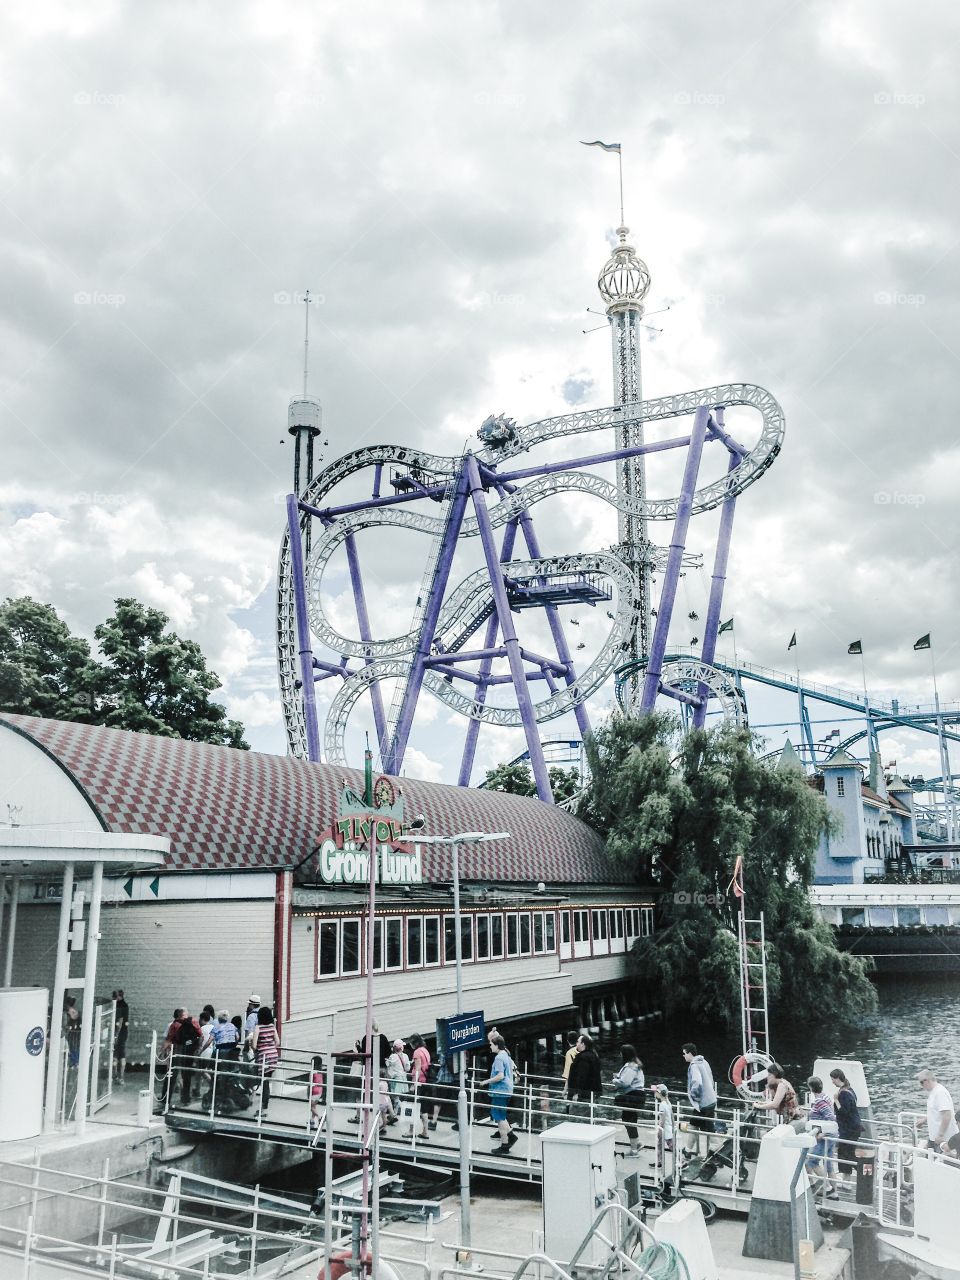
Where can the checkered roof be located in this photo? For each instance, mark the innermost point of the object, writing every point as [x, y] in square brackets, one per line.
[228, 810]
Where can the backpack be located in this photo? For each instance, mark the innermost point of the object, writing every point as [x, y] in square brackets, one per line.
[189, 1036]
[433, 1071]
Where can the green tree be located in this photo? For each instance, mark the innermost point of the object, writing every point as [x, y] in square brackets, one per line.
[679, 810]
[151, 681]
[45, 670]
[517, 779]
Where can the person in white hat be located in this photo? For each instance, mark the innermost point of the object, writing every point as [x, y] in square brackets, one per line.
[250, 1022]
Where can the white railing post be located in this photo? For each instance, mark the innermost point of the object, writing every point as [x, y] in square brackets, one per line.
[213, 1086]
[253, 1234]
[152, 1074]
[102, 1212]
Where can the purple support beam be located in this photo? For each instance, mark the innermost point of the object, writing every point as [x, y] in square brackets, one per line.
[493, 624]
[303, 630]
[508, 632]
[688, 699]
[671, 577]
[546, 664]
[363, 622]
[590, 460]
[471, 655]
[717, 582]
[556, 626]
[393, 760]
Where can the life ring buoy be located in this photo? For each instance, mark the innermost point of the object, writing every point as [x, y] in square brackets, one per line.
[748, 1074]
[340, 1266]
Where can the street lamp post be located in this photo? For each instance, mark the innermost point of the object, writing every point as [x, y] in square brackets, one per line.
[454, 842]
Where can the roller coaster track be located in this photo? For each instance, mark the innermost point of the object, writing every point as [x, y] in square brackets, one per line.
[469, 603]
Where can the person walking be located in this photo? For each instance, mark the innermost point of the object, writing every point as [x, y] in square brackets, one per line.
[629, 1093]
[397, 1068]
[419, 1076]
[226, 1037]
[121, 1028]
[943, 1132]
[849, 1123]
[500, 1089]
[265, 1043]
[780, 1096]
[250, 1023]
[569, 1056]
[702, 1096]
[187, 1043]
[585, 1082]
[661, 1096]
[822, 1119]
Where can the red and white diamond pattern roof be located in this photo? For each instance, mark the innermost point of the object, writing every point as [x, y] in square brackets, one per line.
[228, 810]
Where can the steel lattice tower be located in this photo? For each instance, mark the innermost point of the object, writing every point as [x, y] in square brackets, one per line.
[623, 283]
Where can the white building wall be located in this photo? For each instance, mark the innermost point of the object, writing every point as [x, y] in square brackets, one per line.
[33, 782]
[162, 954]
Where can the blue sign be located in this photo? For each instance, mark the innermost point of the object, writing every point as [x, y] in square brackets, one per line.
[34, 1041]
[462, 1031]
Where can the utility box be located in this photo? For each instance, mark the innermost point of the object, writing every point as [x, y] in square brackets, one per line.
[23, 1053]
[579, 1178]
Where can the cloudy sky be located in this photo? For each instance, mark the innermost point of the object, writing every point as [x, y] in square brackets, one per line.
[173, 175]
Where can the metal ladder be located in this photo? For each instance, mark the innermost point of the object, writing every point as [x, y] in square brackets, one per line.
[754, 1025]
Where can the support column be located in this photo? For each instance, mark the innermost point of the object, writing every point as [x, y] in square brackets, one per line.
[61, 974]
[448, 545]
[508, 633]
[11, 932]
[89, 994]
[717, 583]
[671, 577]
[556, 627]
[363, 622]
[303, 629]
[489, 639]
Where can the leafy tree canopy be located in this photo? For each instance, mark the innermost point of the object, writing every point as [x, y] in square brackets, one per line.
[517, 780]
[147, 679]
[679, 809]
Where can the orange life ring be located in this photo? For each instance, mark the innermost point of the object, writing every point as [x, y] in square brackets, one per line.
[340, 1265]
[738, 1072]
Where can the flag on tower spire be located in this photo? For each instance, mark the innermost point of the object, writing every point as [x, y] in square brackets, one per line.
[607, 146]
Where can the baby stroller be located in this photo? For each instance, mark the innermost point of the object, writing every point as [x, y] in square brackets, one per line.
[236, 1082]
[708, 1168]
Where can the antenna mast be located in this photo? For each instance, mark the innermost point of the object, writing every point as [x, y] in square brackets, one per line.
[306, 339]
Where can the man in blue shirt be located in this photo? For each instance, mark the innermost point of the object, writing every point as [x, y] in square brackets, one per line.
[500, 1088]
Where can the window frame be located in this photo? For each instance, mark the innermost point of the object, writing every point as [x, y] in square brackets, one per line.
[321, 924]
[355, 923]
[434, 921]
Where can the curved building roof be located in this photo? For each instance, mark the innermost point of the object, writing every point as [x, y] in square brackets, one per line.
[228, 810]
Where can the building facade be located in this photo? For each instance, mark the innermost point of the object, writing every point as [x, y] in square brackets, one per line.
[874, 820]
[238, 907]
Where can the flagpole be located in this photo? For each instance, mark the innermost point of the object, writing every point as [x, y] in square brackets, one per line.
[796, 659]
[736, 662]
[620, 166]
[944, 758]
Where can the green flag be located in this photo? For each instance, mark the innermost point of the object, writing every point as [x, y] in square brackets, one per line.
[728, 626]
[856, 647]
[923, 642]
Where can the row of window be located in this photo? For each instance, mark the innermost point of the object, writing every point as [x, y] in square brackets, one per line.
[892, 917]
[425, 941]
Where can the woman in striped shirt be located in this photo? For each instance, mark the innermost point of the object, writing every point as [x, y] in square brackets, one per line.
[266, 1051]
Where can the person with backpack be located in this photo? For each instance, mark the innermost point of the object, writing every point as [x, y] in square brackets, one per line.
[500, 1088]
[186, 1044]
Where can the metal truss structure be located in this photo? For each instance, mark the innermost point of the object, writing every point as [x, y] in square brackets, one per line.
[450, 499]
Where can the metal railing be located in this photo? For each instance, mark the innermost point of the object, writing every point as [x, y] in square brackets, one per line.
[217, 1227]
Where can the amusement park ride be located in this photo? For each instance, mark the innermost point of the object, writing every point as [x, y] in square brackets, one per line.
[476, 640]
[461, 628]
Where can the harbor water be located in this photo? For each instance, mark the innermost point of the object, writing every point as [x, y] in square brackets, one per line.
[917, 1025]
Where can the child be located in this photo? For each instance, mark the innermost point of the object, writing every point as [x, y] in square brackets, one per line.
[661, 1096]
[387, 1114]
[316, 1091]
